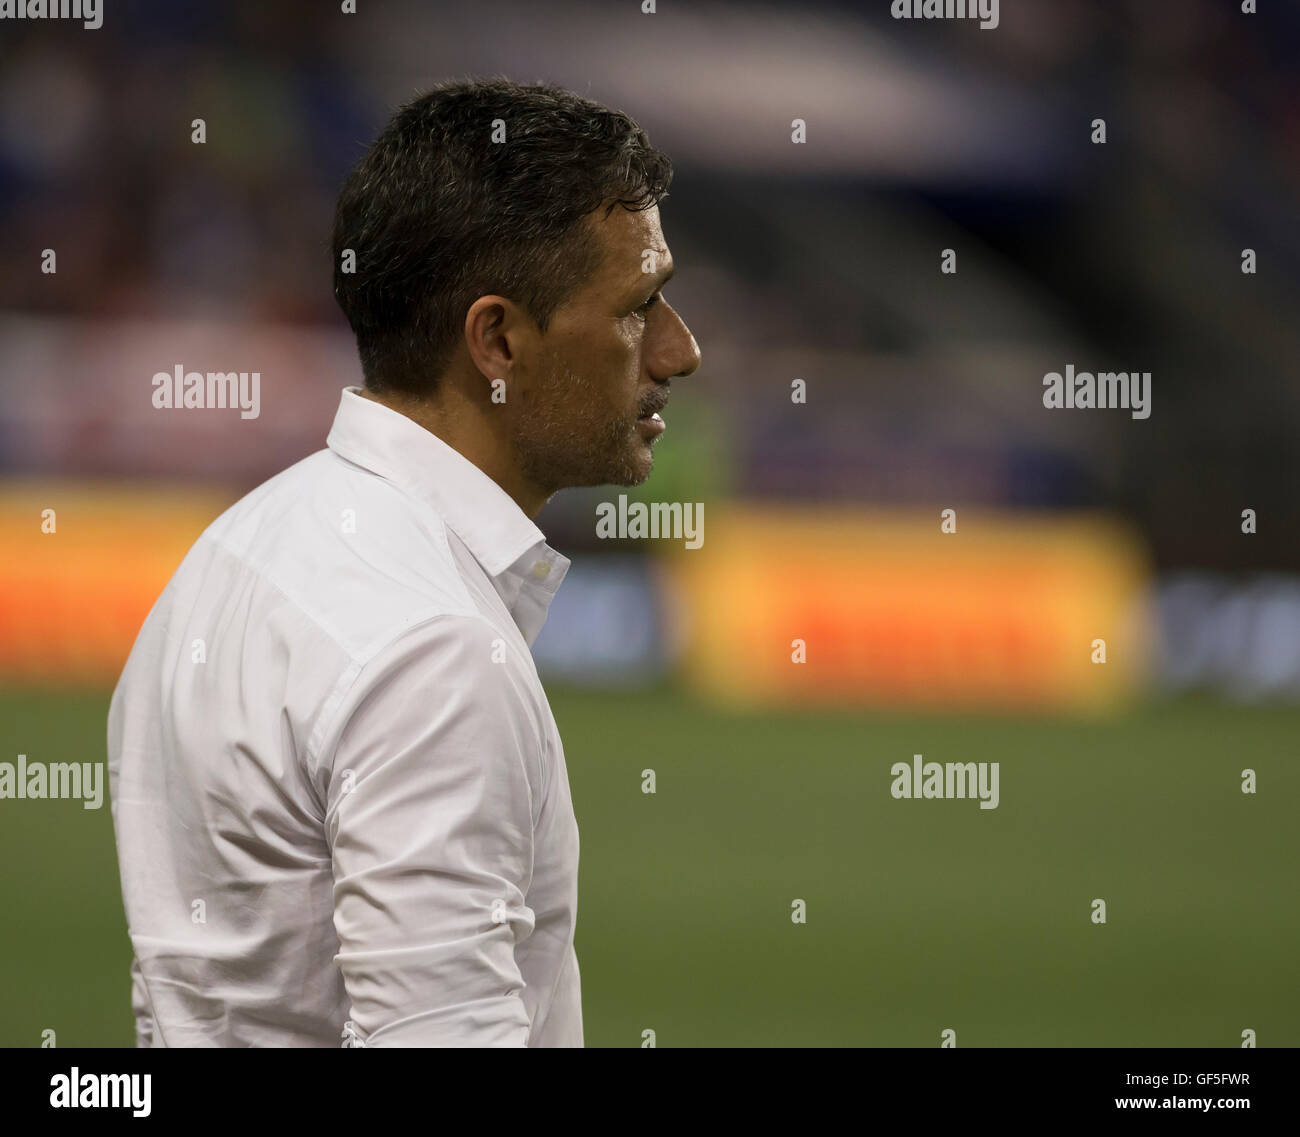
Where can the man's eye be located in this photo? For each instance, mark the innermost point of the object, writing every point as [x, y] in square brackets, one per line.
[644, 308]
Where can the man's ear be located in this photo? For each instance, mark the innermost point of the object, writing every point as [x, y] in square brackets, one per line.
[503, 340]
[488, 337]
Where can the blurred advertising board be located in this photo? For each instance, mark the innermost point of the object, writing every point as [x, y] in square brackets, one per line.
[845, 606]
[81, 569]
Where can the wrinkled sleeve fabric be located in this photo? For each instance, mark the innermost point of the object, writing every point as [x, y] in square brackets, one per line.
[141, 1007]
[429, 812]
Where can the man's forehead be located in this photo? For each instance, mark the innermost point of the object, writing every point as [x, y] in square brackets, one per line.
[625, 236]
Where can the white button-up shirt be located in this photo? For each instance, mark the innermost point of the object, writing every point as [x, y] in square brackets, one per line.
[340, 799]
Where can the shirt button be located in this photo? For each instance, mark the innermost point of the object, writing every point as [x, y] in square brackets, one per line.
[541, 570]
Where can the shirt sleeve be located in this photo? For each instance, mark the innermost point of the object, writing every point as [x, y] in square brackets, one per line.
[429, 812]
[141, 1007]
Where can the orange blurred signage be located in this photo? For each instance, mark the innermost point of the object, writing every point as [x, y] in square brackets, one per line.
[80, 570]
[1009, 610]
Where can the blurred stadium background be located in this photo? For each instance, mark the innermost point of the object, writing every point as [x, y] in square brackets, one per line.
[817, 262]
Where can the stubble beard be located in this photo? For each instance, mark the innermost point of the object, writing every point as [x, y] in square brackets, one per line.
[559, 446]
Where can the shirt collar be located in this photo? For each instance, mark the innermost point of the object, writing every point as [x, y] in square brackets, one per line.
[525, 571]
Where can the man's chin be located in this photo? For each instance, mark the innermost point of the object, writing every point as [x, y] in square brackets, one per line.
[630, 473]
[623, 476]
[628, 465]
[641, 463]
[633, 480]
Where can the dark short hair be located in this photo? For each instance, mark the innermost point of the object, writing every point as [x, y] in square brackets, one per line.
[438, 214]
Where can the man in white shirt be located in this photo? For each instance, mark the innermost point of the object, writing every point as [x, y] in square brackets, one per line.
[340, 799]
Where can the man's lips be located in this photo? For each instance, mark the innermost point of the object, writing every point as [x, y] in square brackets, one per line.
[651, 423]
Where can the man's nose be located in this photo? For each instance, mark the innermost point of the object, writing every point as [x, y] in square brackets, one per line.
[679, 353]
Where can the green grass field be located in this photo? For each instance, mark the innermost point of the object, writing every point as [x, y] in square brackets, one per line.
[922, 915]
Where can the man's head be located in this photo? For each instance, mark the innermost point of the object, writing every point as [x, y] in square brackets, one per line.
[508, 261]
